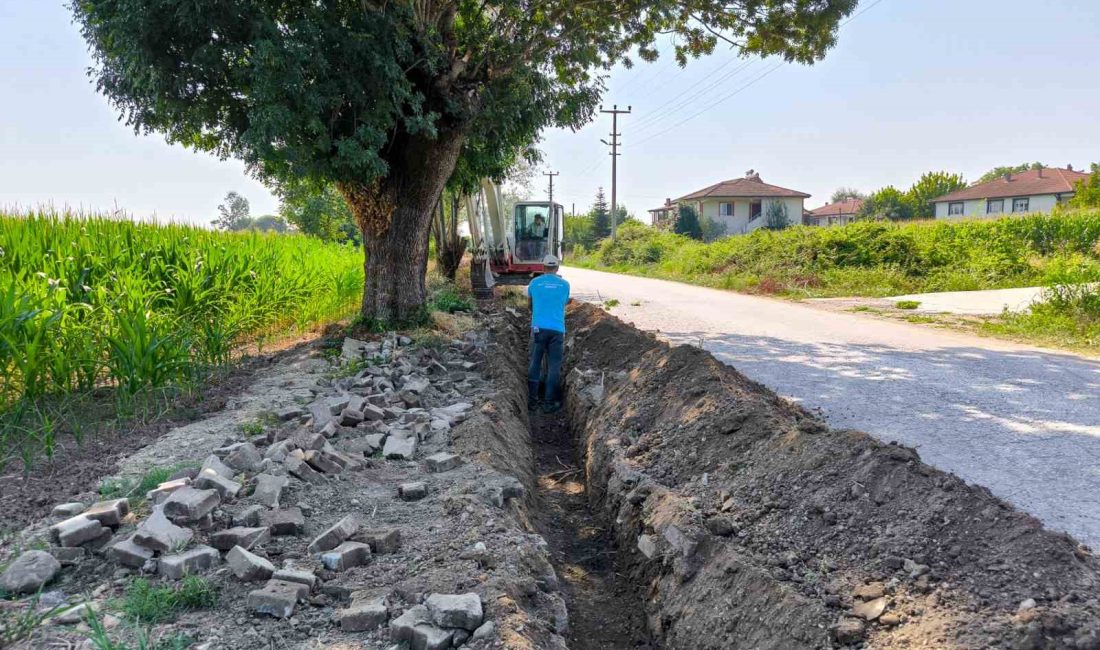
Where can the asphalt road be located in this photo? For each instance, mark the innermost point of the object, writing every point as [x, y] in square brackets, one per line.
[1020, 420]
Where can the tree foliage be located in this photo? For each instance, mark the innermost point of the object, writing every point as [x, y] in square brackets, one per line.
[931, 186]
[776, 216]
[601, 216]
[889, 203]
[233, 213]
[998, 172]
[687, 222]
[846, 194]
[1087, 190]
[321, 213]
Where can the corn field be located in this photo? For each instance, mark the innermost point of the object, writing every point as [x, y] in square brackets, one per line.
[88, 302]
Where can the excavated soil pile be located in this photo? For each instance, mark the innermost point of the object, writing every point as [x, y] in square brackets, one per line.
[752, 525]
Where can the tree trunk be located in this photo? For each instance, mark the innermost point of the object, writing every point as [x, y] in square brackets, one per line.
[395, 215]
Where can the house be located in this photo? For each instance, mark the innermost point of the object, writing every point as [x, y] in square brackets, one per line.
[1036, 190]
[834, 214]
[741, 204]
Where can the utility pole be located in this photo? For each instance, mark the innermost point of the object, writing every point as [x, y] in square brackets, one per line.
[551, 175]
[614, 144]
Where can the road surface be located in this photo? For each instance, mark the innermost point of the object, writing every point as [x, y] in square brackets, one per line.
[1020, 420]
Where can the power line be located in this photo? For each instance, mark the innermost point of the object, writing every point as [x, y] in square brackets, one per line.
[659, 113]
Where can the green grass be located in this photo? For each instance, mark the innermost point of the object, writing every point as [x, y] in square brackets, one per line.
[1068, 316]
[874, 259]
[150, 604]
[89, 303]
[143, 638]
[135, 489]
[907, 304]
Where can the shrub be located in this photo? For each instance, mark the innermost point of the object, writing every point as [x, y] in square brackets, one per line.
[907, 304]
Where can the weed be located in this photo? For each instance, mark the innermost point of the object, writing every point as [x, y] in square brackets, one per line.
[18, 623]
[252, 428]
[921, 319]
[635, 303]
[610, 304]
[143, 638]
[859, 308]
[135, 489]
[907, 304]
[149, 604]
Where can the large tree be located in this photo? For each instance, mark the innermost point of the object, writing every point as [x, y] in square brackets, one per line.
[998, 172]
[887, 203]
[931, 186]
[383, 98]
[601, 216]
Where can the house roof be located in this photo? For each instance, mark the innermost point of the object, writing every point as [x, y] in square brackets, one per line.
[1030, 183]
[667, 206]
[750, 186]
[848, 206]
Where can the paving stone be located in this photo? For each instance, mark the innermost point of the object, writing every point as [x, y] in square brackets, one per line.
[208, 479]
[248, 566]
[373, 412]
[105, 536]
[159, 534]
[412, 491]
[29, 572]
[648, 546]
[297, 466]
[430, 637]
[443, 462]
[277, 598]
[246, 538]
[322, 462]
[188, 505]
[350, 417]
[65, 555]
[196, 560]
[400, 448]
[380, 540]
[401, 628]
[75, 531]
[215, 463]
[416, 384]
[306, 578]
[184, 472]
[346, 556]
[158, 494]
[288, 521]
[456, 610]
[348, 462]
[330, 429]
[363, 615]
[335, 535]
[290, 413]
[268, 489]
[127, 553]
[308, 440]
[68, 509]
[108, 513]
[245, 458]
[251, 516]
[279, 450]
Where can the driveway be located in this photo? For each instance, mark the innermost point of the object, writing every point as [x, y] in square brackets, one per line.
[1020, 420]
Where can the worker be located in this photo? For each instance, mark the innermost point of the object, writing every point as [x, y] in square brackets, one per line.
[548, 295]
[538, 228]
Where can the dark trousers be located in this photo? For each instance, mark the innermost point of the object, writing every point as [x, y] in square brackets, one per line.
[546, 343]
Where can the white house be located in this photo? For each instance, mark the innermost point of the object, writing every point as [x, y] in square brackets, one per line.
[741, 204]
[1036, 190]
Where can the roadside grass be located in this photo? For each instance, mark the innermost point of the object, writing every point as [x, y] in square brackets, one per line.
[135, 489]
[146, 603]
[101, 639]
[907, 304]
[1068, 316]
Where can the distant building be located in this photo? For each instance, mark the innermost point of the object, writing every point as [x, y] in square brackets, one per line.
[1036, 190]
[741, 204]
[834, 214]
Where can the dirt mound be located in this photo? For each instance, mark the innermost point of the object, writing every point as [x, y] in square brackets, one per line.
[753, 525]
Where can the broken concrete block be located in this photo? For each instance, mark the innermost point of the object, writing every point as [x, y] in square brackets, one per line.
[346, 556]
[278, 451]
[336, 534]
[363, 615]
[250, 517]
[322, 462]
[248, 566]
[246, 538]
[214, 463]
[400, 448]
[67, 510]
[196, 560]
[443, 462]
[277, 598]
[430, 637]
[648, 546]
[297, 466]
[306, 578]
[288, 521]
[245, 458]
[350, 417]
[456, 610]
[401, 628]
[415, 384]
[268, 489]
[160, 535]
[127, 553]
[65, 555]
[289, 413]
[307, 441]
[75, 531]
[372, 412]
[158, 494]
[414, 491]
[188, 505]
[109, 513]
[208, 479]
[380, 540]
[29, 572]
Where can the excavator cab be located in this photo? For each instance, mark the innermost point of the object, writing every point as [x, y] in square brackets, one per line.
[537, 228]
[511, 249]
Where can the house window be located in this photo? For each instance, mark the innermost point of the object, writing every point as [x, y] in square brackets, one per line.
[725, 209]
[994, 206]
[1021, 205]
[955, 208]
[756, 208]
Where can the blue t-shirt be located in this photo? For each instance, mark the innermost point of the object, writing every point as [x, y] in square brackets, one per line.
[549, 295]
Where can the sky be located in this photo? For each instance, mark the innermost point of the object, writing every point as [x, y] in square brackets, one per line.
[912, 86]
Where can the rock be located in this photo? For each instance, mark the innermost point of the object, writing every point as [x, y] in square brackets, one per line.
[129, 554]
[245, 458]
[871, 609]
[159, 534]
[889, 620]
[277, 598]
[350, 417]
[380, 540]
[346, 556]
[75, 614]
[372, 413]
[65, 555]
[278, 451]
[848, 631]
[268, 489]
[461, 610]
[487, 630]
[288, 521]
[188, 505]
[354, 350]
[251, 516]
[290, 413]
[399, 448]
[184, 472]
[297, 466]
[870, 591]
[323, 462]
[430, 637]
[158, 494]
[246, 538]
[1026, 605]
[67, 510]
[362, 616]
[443, 462]
[248, 566]
[401, 628]
[29, 572]
[647, 544]
[214, 463]
[109, 513]
[196, 560]
[75, 531]
[721, 526]
[307, 441]
[412, 491]
[301, 577]
[331, 538]
[208, 479]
